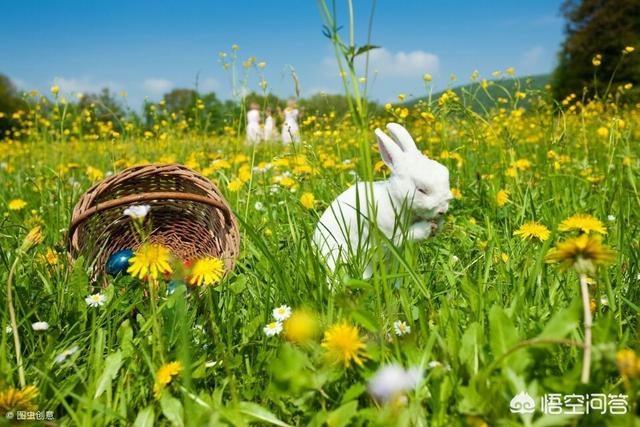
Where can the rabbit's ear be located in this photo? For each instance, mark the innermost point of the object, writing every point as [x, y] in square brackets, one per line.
[389, 150]
[402, 137]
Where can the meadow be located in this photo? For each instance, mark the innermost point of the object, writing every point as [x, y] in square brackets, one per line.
[476, 314]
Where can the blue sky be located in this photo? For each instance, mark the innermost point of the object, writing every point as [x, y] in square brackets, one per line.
[147, 48]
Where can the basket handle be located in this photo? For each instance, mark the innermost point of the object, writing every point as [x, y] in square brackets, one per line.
[134, 198]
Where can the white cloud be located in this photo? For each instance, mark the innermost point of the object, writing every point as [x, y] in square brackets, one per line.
[394, 64]
[531, 58]
[85, 84]
[157, 86]
[403, 64]
[209, 84]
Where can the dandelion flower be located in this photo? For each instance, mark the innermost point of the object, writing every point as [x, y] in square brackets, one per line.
[33, 238]
[530, 230]
[502, 197]
[207, 271]
[12, 399]
[392, 381]
[96, 300]
[273, 328]
[282, 313]
[17, 204]
[583, 222]
[40, 326]
[628, 363]
[65, 354]
[583, 253]
[149, 260]
[165, 375]
[137, 212]
[342, 343]
[307, 200]
[401, 328]
[302, 326]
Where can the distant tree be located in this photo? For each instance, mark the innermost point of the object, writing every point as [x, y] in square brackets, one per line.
[603, 27]
[105, 106]
[10, 102]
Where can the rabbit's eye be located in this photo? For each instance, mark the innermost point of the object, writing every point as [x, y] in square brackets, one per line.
[424, 191]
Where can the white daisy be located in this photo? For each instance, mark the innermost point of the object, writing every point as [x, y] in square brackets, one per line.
[273, 328]
[63, 356]
[96, 300]
[40, 326]
[392, 381]
[282, 313]
[8, 330]
[401, 328]
[259, 206]
[137, 211]
[611, 218]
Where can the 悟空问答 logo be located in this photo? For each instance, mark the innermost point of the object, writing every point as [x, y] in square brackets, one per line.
[522, 403]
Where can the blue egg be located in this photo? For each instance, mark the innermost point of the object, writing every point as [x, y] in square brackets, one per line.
[118, 262]
[173, 285]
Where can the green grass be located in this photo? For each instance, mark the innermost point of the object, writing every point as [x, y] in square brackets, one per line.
[480, 301]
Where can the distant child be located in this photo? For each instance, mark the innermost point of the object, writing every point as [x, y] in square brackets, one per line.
[253, 123]
[290, 132]
[269, 125]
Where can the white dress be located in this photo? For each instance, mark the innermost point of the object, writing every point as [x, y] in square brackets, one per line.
[290, 131]
[269, 128]
[253, 126]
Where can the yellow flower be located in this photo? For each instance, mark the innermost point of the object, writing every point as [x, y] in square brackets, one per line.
[388, 106]
[149, 259]
[456, 193]
[627, 50]
[55, 89]
[583, 222]
[307, 200]
[628, 363]
[502, 198]
[51, 257]
[583, 253]
[602, 132]
[207, 271]
[33, 238]
[301, 327]
[17, 204]
[427, 77]
[510, 71]
[235, 185]
[597, 60]
[12, 399]
[531, 230]
[342, 343]
[164, 376]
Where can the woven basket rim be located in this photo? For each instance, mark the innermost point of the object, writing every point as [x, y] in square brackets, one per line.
[79, 217]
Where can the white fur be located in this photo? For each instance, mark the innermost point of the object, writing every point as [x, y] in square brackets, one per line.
[344, 228]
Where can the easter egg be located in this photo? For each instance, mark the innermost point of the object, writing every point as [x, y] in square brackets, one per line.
[118, 262]
[173, 285]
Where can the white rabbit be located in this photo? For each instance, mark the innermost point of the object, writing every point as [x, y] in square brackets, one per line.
[417, 193]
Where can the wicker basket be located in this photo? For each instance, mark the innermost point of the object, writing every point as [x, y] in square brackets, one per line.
[188, 214]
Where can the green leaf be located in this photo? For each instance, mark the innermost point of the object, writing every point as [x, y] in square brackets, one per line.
[471, 347]
[341, 416]
[111, 367]
[503, 334]
[145, 418]
[353, 392]
[125, 338]
[563, 322]
[258, 412]
[172, 409]
[365, 319]
[366, 48]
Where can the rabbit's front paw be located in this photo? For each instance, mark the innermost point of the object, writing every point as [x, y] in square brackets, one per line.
[420, 230]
